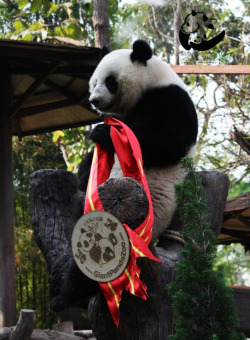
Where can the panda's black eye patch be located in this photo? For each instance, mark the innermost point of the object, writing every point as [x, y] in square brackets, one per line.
[111, 84]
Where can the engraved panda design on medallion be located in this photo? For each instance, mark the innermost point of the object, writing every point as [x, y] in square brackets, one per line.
[100, 246]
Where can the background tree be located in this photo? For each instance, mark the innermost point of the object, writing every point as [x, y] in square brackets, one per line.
[101, 23]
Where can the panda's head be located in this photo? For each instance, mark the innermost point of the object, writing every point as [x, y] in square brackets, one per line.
[121, 77]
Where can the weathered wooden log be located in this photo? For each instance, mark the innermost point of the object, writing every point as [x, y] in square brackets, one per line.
[52, 194]
[56, 205]
[64, 327]
[25, 325]
[139, 319]
[87, 334]
[44, 334]
[153, 319]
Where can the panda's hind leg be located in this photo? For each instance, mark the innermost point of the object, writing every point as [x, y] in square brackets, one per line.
[77, 289]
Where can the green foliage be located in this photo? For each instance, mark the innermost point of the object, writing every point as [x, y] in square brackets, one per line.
[234, 263]
[202, 303]
[74, 143]
[238, 189]
[31, 277]
[54, 19]
[31, 154]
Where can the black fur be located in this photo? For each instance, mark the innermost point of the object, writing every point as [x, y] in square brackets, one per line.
[104, 51]
[165, 123]
[141, 52]
[77, 289]
[83, 171]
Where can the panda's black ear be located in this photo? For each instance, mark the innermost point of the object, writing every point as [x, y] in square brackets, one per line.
[141, 52]
[105, 50]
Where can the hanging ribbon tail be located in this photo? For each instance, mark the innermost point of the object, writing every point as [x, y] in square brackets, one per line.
[130, 278]
[128, 152]
[139, 246]
[113, 294]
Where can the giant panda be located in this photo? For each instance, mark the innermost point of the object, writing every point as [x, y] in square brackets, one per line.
[147, 95]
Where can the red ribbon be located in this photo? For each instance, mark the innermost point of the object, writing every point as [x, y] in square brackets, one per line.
[129, 155]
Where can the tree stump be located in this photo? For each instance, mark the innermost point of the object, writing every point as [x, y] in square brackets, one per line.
[25, 325]
[52, 201]
[54, 196]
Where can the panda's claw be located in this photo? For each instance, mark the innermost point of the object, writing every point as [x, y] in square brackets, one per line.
[58, 304]
[101, 135]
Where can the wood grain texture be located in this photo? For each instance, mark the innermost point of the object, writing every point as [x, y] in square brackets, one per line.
[52, 194]
[242, 302]
[52, 203]
[7, 255]
[25, 325]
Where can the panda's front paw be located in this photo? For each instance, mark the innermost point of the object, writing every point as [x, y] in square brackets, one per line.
[101, 136]
[58, 304]
[84, 170]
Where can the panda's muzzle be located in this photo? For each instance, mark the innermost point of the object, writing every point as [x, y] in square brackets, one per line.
[100, 105]
[95, 102]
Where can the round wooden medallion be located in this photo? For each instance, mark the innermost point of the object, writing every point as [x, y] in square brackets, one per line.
[100, 246]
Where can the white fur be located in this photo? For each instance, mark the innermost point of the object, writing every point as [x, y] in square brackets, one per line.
[161, 181]
[133, 79]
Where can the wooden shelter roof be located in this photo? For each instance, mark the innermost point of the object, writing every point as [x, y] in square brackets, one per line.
[50, 85]
[236, 221]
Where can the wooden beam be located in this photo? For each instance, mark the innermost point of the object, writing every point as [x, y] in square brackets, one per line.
[238, 203]
[211, 69]
[7, 257]
[37, 83]
[33, 110]
[79, 70]
[72, 97]
[51, 52]
[60, 127]
[242, 235]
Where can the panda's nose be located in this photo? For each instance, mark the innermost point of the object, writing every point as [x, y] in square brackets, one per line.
[94, 101]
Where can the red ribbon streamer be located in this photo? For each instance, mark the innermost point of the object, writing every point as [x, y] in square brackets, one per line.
[129, 155]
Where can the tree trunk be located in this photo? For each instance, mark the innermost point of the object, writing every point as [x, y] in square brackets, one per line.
[241, 138]
[101, 23]
[139, 319]
[25, 325]
[177, 16]
[51, 205]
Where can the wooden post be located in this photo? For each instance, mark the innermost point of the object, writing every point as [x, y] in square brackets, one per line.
[25, 325]
[7, 258]
[64, 327]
